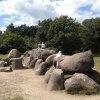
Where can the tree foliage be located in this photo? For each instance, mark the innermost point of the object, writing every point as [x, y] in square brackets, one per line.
[92, 36]
[63, 33]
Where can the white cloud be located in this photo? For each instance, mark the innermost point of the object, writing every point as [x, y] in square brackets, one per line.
[71, 7]
[24, 20]
[96, 6]
[2, 28]
[30, 11]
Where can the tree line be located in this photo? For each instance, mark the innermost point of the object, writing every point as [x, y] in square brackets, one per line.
[63, 33]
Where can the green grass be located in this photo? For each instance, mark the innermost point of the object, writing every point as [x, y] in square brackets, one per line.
[14, 98]
[83, 91]
[3, 55]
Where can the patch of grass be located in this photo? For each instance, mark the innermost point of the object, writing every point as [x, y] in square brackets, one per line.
[83, 91]
[3, 55]
[14, 98]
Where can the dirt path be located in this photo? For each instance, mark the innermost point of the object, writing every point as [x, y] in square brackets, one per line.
[32, 87]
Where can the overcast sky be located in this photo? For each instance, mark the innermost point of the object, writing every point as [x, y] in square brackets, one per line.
[31, 11]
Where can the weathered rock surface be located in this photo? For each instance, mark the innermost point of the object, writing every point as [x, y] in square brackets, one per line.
[50, 59]
[38, 63]
[94, 75]
[42, 53]
[6, 69]
[42, 68]
[80, 62]
[16, 63]
[80, 83]
[32, 63]
[48, 74]
[2, 63]
[26, 62]
[14, 53]
[56, 81]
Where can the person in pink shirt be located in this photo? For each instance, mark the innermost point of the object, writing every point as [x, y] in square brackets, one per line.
[58, 59]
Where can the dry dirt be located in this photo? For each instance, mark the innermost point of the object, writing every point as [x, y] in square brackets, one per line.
[30, 86]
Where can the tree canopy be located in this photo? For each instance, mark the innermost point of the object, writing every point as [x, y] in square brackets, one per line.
[63, 33]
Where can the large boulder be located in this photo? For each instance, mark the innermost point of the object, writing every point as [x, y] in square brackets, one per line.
[56, 81]
[41, 70]
[32, 63]
[38, 63]
[48, 74]
[6, 69]
[80, 62]
[6, 60]
[94, 75]
[2, 63]
[42, 53]
[50, 59]
[28, 59]
[14, 53]
[82, 84]
[26, 62]
[16, 63]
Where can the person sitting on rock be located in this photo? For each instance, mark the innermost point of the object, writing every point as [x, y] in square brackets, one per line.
[42, 45]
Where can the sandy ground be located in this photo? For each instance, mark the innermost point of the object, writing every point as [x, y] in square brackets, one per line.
[32, 87]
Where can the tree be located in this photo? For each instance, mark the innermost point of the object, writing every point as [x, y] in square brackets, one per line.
[0, 32]
[63, 34]
[43, 28]
[92, 36]
[24, 30]
[10, 28]
[11, 41]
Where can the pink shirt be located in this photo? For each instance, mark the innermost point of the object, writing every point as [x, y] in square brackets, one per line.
[58, 59]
